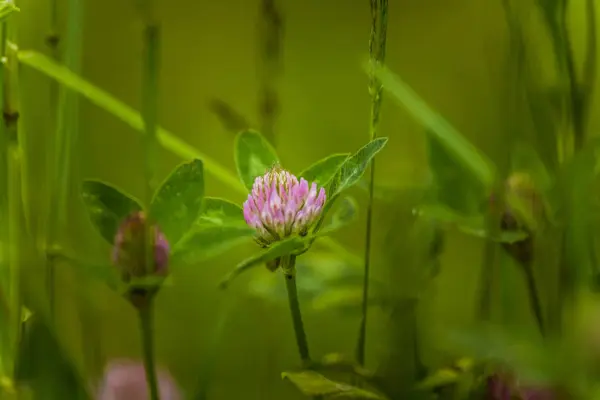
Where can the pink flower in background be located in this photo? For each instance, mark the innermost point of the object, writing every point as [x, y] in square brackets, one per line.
[505, 387]
[126, 380]
[280, 206]
[129, 251]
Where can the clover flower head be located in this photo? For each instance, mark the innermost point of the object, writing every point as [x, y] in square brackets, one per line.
[129, 250]
[280, 206]
[126, 380]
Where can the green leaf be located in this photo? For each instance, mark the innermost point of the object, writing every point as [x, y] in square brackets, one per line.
[6, 9]
[345, 214]
[254, 155]
[218, 211]
[443, 377]
[277, 250]
[353, 168]
[207, 241]
[324, 170]
[107, 207]
[177, 203]
[456, 144]
[313, 384]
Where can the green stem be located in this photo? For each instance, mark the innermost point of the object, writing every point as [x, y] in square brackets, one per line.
[270, 59]
[289, 268]
[10, 112]
[66, 135]
[534, 298]
[151, 42]
[377, 42]
[147, 332]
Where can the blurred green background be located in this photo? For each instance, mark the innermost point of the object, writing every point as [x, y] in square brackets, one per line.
[454, 53]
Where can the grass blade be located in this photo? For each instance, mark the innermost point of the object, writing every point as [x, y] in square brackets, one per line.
[466, 153]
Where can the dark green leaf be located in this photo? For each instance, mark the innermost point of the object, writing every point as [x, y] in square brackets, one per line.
[254, 155]
[217, 211]
[207, 241]
[277, 250]
[313, 384]
[345, 214]
[177, 203]
[324, 170]
[354, 167]
[461, 149]
[107, 207]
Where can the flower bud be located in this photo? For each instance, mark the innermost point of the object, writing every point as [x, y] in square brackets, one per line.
[281, 206]
[126, 380]
[130, 252]
[521, 188]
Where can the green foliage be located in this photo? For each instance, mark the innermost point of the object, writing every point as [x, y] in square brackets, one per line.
[107, 206]
[219, 227]
[6, 9]
[177, 203]
[279, 249]
[325, 169]
[254, 155]
[345, 214]
[216, 211]
[313, 384]
[353, 168]
[350, 172]
[209, 241]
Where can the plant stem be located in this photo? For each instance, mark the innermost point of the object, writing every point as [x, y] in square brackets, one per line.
[534, 298]
[147, 332]
[151, 43]
[289, 268]
[66, 135]
[377, 42]
[10, 113]
[270, 59]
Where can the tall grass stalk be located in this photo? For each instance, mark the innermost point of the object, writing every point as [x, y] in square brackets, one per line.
[150, 73]
[270, 68]
[377, 44]
[65, 140]
[10, 113]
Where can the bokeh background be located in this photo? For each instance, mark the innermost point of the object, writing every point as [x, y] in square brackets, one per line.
[454, 53]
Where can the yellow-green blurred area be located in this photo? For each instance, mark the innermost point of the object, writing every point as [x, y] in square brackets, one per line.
[454, 53]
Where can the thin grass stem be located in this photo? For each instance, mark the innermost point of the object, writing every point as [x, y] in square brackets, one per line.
[65, 140]
[377, 44]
